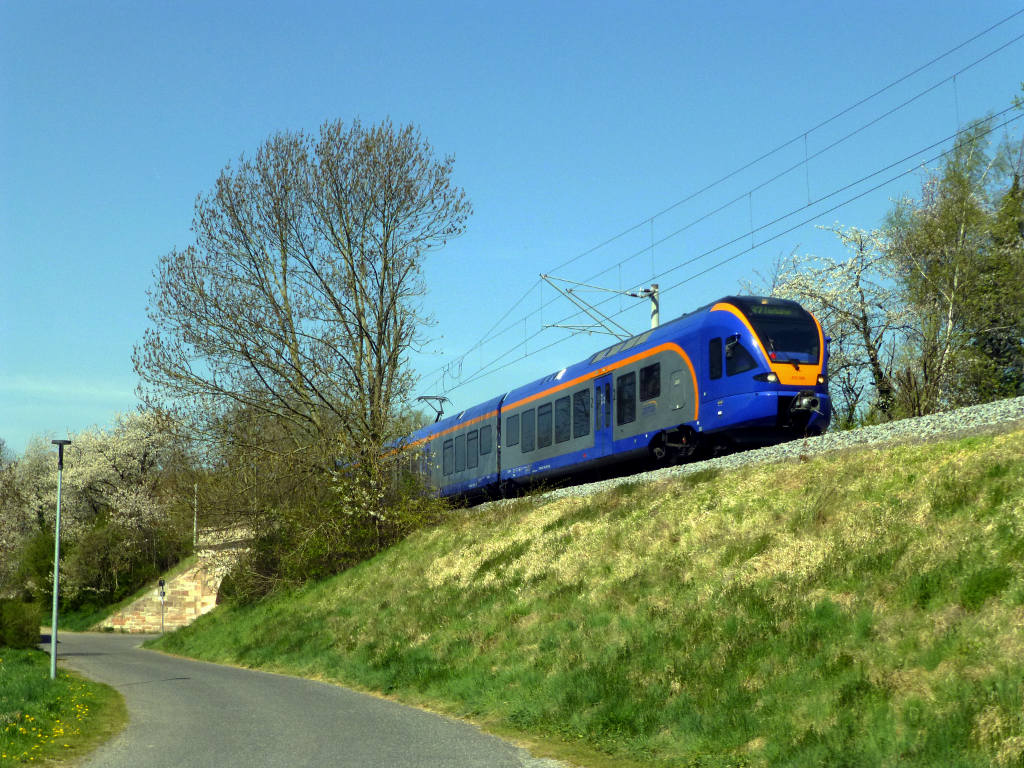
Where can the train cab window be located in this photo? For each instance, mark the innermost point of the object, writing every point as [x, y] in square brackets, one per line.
[447, 456]
[625, 399]
[544, 426]
[581, 413]
[563, 419]
[460, 453]
[472, 450]
[715, 359]
[737, 358]
[650, 382]
[512, 430]
[485, 440]
[529, 427]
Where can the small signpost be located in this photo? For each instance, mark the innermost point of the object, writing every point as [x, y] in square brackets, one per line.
[162, 593]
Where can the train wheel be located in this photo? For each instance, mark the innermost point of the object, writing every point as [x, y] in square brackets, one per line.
[675, 446]
[659, 449]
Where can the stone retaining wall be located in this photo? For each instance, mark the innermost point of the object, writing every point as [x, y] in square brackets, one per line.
[188, 595]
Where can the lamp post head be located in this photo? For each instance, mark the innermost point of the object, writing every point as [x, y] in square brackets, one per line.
[60, 452]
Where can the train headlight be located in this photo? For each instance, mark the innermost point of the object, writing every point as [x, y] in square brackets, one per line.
[821, 379]
[771, 378]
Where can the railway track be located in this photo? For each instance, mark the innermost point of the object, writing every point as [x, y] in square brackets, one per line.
[1001, 415]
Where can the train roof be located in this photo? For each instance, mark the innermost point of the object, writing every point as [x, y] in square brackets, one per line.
[611, 354]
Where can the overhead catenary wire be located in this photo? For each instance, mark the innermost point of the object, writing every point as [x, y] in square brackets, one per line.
[731, 174]
[492, 335]
[488, 370]
[801, 136]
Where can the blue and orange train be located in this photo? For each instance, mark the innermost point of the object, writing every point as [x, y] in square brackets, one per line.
[741, 371]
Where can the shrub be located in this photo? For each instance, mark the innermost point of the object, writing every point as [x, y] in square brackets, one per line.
[306, 542]
[19, 624]
[34, 573]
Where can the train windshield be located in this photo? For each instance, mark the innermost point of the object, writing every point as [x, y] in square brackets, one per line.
[787, 331]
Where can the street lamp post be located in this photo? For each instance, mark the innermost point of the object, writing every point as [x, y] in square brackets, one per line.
[56, 558]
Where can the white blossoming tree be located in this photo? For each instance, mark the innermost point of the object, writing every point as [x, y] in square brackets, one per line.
[857, 300]
[117, 523]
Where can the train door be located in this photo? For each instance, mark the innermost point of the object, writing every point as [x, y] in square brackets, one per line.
[713, 384]
[677, 393]
[602, 416]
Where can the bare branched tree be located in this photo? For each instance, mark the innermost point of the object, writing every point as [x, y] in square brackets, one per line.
[299, 300]
[280, 338]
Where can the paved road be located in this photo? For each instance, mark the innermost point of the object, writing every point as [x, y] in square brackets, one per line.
[198, 715]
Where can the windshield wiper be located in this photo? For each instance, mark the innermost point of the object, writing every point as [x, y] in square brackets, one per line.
[773, 352]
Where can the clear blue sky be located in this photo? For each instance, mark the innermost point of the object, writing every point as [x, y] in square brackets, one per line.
[570, 123]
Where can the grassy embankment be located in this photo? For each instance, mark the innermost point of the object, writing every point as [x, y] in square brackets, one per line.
[45, 721]
[864, 609]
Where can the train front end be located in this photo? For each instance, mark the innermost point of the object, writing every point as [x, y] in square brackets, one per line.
[772, 383]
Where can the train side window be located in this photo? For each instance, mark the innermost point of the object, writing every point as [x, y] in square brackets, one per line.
[485, 440]
[447, 456]
[715, 358]
[608, 404]
[581, 413]
[563, 419]
[460, 453]
[472, 450]
[737, 358]
[544, 426]
[625, 396]
[529, 430]
[650, 382]
[512, 430]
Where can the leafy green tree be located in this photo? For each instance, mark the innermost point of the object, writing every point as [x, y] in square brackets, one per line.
[927, 312]
[960, 259]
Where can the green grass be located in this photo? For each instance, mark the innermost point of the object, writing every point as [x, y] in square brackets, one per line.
[45, 721]
[855, 610]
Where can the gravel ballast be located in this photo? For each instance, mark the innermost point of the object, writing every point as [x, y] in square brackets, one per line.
[996, 416]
